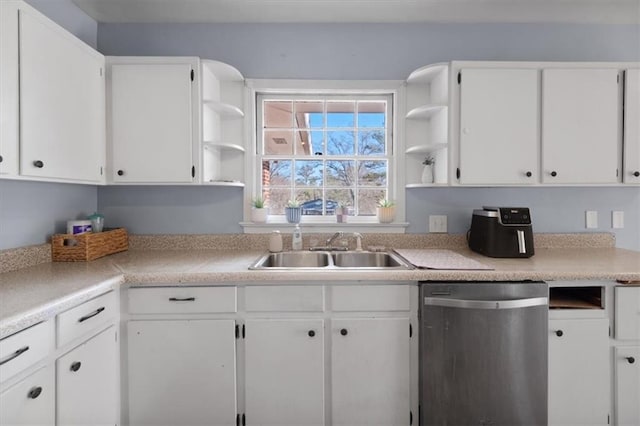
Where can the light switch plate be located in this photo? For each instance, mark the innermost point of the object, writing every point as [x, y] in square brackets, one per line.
[437, 224]
[591, 219]
[617, 219]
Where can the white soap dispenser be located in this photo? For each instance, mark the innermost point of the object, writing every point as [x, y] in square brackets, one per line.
[296, 241]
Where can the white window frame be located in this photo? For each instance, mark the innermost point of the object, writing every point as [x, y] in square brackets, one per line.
[396, 179]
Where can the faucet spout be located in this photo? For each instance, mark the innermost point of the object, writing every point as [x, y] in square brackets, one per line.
[334, 237]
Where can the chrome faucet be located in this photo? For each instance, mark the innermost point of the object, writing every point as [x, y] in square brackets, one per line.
[334, 237]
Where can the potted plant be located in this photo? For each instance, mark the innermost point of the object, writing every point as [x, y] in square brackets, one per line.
[259, 212]
[293, 211]
[427, 172]
[342, 211]
[386, 211]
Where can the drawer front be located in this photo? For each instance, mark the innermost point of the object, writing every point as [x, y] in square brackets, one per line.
[31, 401]
[182, 300]
[83, 318]
[627, 313]
[23, 349]
[284, 299]
[354, 298]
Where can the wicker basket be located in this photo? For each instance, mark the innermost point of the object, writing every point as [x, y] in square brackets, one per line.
[88, 246]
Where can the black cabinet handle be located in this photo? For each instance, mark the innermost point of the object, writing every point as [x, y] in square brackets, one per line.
[1, 158]
[34, 392]
[559, 333]
[185, 299]
[120, 172]
[91, 315]
[636, 174]
[39, 164]
[14, 355]
[311, 333]
[631, 359]
[344, 332]
[554, 173]
[76, 366]
[529, 174]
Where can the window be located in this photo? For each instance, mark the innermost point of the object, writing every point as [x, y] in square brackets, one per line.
[324, 151]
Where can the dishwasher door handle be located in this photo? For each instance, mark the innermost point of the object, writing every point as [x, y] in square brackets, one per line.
[486, 304]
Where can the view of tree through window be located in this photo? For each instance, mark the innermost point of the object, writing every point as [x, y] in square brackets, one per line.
[325, 152]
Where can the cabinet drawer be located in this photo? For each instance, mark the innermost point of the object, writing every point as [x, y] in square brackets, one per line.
[284, 298]
[83, 318]
[627, 313]
[21, 350]
[31, 401]
[370, 298]
[182, 300]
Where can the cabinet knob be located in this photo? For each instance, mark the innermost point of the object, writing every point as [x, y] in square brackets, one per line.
[120, 172]
[76, 366]
[554, 173]
[529, 174]
[39, 164]
[636, 173]
[344, 332]
[1, 159]
[311, 333]
[631, 359]
[34, 392]
[559, 333]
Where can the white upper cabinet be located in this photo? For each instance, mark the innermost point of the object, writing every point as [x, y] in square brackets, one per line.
[631, 167]
[58, 83]
[499, 115]
[581, 117]
[153, 119]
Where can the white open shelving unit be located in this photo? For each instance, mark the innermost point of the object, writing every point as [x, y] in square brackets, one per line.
[427, 123]
[223, 139]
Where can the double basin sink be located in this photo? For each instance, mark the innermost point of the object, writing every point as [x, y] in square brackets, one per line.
[324, 260]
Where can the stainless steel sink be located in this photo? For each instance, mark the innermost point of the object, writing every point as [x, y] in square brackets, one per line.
[323, 260]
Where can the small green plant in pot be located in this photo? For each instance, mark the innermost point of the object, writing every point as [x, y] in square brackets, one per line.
[259, 210]
[293, 211]
[386, 211]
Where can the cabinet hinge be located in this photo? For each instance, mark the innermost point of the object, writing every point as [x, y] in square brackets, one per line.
[244, 420]
[410, 330]
[617, 172]
[410, 418]
[459, 77]
[243, 331]
[238, 419]
[618, 78]
[100, 171]
[458, 173]
[192, 75]
[193, 171]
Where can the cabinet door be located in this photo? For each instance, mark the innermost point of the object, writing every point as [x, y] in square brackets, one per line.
[579, 372]
[581, 113]
[632, 126]
[151, 122]
[31, 401]
[627, 313]
[627, 370]
[61, 103]
[499, 136]
[370, 371]
[9, 105]
[182, 372]
[284, 372]
[87, 382]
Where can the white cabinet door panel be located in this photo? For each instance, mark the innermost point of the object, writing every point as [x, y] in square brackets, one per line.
[632, 126]
[61, 103]
[284, 372]
[627, 313]
[499, 136]
[581, 113]
[627, 370]
[9, 122]
[370, 372]
[151, 122]
[31, 401]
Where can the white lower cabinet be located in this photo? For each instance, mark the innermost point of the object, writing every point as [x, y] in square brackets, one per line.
[31, 401]
[579, 372]
[87, 382]
[627, 390]
[370, 369]
[182, 372]
[284, 372]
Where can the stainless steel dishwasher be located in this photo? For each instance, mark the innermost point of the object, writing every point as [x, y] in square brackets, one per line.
[483, 353]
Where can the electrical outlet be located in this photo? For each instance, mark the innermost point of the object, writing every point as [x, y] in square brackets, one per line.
[591, 218]
[437, 223]
[617, 219]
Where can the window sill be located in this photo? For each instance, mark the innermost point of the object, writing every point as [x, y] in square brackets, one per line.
[326, 227]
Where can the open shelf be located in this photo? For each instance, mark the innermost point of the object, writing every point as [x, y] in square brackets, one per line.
[425, 149]
[425, 185]
[427, 73]
[223, 109]
[230, 183]
[576, 298]
[425, 112]
[223, 71]
[222, 145]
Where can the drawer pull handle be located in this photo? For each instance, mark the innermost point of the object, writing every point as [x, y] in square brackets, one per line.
[35, 392]
[631, 359]
[14, 355]
[91, 315]
[184, 299]
[76, 366]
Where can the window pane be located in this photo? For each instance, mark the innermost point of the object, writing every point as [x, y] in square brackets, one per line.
[342, 197]
[368, 201]
[309, 114]
[278, 142]
[309, 142]
[310, 200]
[276, 173]
[276, 199]
[340, 173]
[308, 173]
[372, 173]
[340, 143]
[371, 142]
[340, 114]
[371, 114]
[278, 114]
